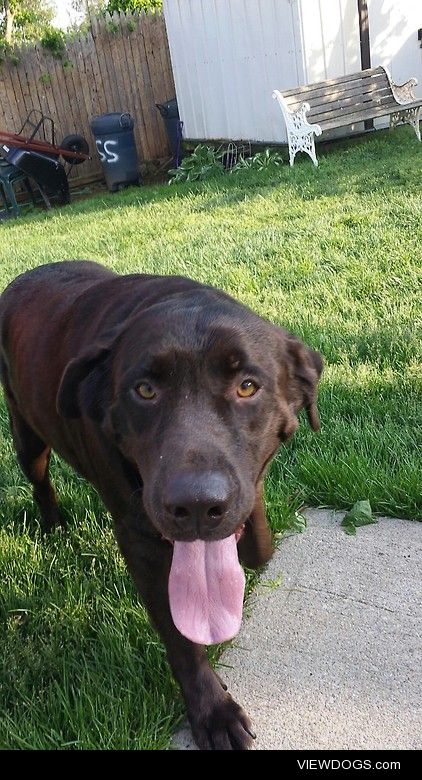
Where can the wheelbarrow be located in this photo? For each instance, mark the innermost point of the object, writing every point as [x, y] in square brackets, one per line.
[38, 159]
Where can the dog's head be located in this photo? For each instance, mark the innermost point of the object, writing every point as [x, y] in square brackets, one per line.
[197, 392]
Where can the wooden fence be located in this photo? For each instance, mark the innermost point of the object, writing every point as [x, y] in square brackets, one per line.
[121, 64]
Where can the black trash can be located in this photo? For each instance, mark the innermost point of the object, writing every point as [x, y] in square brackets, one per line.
[115, 143]
[170, 113]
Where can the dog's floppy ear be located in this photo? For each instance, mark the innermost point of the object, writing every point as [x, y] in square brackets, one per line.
[305, 368]
[83, 385]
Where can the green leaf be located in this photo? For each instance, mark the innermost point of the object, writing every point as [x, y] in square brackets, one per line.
[273, 584]
[360, 514]
[299, 523]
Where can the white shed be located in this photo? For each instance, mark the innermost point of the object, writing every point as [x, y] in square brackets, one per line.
[229, 55]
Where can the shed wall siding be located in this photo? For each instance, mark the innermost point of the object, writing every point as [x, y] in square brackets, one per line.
[229, 55]
[393, 30]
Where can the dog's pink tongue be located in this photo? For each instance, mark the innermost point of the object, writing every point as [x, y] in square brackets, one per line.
[206, 587]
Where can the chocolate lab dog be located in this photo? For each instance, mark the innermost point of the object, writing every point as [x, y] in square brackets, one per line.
[171, 398]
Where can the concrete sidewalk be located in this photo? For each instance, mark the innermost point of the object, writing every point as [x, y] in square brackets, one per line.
[332, 657]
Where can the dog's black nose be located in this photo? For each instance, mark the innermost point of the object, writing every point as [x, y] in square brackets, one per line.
[197, 501]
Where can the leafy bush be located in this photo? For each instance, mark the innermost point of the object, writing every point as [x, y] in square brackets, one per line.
[112, 27]
[133, 5]
[29, 20]
[8, 52]
[54, 41]
[203, 163]
[5, 50]
[259, 162]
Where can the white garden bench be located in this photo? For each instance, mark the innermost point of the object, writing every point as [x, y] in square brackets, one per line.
[311, 110]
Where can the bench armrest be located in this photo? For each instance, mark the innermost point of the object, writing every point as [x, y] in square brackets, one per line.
[403, 93]
[296, 121]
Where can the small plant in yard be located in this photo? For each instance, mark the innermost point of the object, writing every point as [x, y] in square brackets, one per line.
[259, 162]
[203, 163]
[360, 514]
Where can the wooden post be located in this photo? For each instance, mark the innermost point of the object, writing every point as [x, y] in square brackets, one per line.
[365, 47]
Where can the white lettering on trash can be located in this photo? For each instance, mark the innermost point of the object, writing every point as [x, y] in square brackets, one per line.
[104, 151]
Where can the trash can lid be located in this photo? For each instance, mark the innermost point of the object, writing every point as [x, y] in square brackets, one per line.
[115, 122]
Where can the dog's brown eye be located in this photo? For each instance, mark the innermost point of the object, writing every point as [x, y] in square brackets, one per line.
[146, 391]
[247, 388]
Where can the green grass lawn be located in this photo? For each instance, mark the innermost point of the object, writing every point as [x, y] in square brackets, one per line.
[331, 253]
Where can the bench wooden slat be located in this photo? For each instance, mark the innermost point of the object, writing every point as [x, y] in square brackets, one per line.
[338, 95]
[354, 100]
[314, 91]
[369, 113]
[354, 88]
[369, 73]
[341, 109]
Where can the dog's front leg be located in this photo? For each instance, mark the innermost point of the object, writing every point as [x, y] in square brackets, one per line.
[217, 722]
[255, 546]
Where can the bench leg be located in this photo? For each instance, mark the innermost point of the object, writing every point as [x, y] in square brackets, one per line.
[409, 116]
[311, 150]
[302, 143]
[292, 150]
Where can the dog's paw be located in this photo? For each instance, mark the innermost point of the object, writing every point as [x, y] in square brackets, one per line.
[52, 518]
[221, 724]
